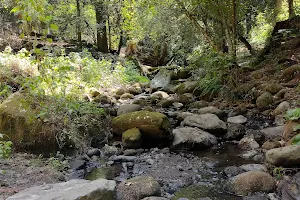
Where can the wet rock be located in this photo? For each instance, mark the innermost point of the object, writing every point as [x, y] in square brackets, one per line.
[248, 144]
[186, 87]
[93, 152]
[151, 124]
[233, 171]
[257, 197]
[263, 101]
[208, 122]
[128, 108]
[100, 189]
[273, 88]
[253, 167]
[122, 158]
[271, 145]
[211, 110]
[154, 198]
[249, 154]
[192, 138]
[138, 188]
[286, 156]
[235, 131]
[252, 181]
[126, 96]
[185, 98]
[161, 80]
[199, 104]
[132, 138]
[281, 108]
[273, 133]
[240, 119]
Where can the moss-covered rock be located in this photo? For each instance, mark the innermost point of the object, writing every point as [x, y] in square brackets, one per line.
[151, 124]
[273, 88]
[19, 121]
[187, 87]
[132, 138]
[264, 100]
[289, 73]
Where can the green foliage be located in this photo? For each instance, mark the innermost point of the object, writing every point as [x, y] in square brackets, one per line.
[278, 173]
[5, 147]
[211, 69]
[58, 162]
[296, 140]
[293, 114]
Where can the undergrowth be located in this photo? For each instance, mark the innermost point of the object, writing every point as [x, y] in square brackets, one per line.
[59, 85]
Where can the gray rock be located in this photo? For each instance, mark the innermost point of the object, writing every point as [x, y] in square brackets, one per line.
[248, 143]
[138, 188]
[187, 87]
[240, 119]
[233, 171]
[211, 110]
[273, 133]
[254, 167]
[256, 197]
[235, 132]
[161, 80]
[78, 164]
[122, 158]
[130, 152]
[159, 95]
[192, 138]
[100, 189]
[281, 108]
[128, 108]
[208, 122]
[249, 154]
[150, 161]
[109, 150]
[93, 152]
[252, 181]
[286, 156]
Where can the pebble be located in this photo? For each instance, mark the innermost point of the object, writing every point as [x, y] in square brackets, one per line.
[150, 161]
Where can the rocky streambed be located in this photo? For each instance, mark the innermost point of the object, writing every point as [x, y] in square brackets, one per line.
[169, 144]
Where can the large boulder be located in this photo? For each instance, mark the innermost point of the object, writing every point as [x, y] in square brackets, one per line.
[161, 80]
[19, 121]
[100, 189]
[286, 156]
[252, 181]
[208, 122]
[138, 188]
[151, 124]
[263, 101]
[192, 139]
[128, 108]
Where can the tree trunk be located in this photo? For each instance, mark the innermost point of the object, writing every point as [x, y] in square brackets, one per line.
[78, 25]
[101, 27]
[234, 27]
[291, 9]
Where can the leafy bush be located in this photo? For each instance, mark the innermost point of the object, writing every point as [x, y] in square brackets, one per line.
[5, 147]
[211, 69]
[293, 114]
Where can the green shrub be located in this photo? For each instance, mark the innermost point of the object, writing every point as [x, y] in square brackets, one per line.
[293, 114]
[5, 147]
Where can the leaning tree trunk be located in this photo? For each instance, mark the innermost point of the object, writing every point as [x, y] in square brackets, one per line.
[101, 27]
